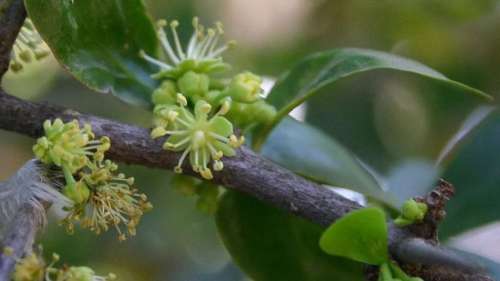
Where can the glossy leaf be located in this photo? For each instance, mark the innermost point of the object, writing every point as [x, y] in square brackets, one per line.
[360, 235]
[475, 173]
[98, 43]
[271, 245]
[311, 153]
[322, 69]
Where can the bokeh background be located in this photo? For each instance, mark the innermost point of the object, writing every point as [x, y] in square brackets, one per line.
[395, 123]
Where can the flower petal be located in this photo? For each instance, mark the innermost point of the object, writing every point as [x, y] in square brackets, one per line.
[221, 126]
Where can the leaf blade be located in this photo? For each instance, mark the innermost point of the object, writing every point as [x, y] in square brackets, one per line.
[360, 235]
[271, 245]
[102, 53]
[321, 69]
[309, 152]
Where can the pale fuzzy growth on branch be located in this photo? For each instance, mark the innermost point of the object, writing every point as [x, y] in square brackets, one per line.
[32, 184]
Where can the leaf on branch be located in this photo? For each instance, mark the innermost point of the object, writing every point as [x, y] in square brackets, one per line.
[322, 69]
[98, 42]
[309, 152]
[360, 235]
[271, 245]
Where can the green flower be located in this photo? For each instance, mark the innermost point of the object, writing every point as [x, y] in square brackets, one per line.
[201, 138]
[67, 145]
[202, 55]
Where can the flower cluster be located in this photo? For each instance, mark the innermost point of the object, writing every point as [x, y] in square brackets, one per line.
[28, 46]
[198, 109]
[33, 268]
[102, 197]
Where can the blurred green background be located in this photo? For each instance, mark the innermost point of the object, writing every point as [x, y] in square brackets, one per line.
[387, 119]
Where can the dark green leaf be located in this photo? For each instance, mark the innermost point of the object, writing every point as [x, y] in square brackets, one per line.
[475, 173]
[321, 69]
[360, 235]
[271, 245]
[98, 43]
[312, 154]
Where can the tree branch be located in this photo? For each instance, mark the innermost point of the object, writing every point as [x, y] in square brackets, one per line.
[246, 172]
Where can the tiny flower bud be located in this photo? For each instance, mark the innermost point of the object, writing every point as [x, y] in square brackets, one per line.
[194, 84]
[245, 87]
[165, 94]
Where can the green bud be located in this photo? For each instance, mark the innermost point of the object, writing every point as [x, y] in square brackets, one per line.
[194, 84]
[411, 212]
[80, 273]
[414, 210]
[165, 94]
[245, 87]
[262, 111]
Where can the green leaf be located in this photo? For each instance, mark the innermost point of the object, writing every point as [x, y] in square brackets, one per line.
[322, 69]
[98, 43]
[271, 245]
[360, 235]
[309, 152]
[475, 172]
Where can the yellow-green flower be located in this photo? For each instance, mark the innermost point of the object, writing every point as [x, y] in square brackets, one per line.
[245, 87]
[204, 139]
[113, 201]
[67, 145]
[202, 54]
[30, 268]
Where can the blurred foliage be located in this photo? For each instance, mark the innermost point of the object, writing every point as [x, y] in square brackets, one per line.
[386, 119]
